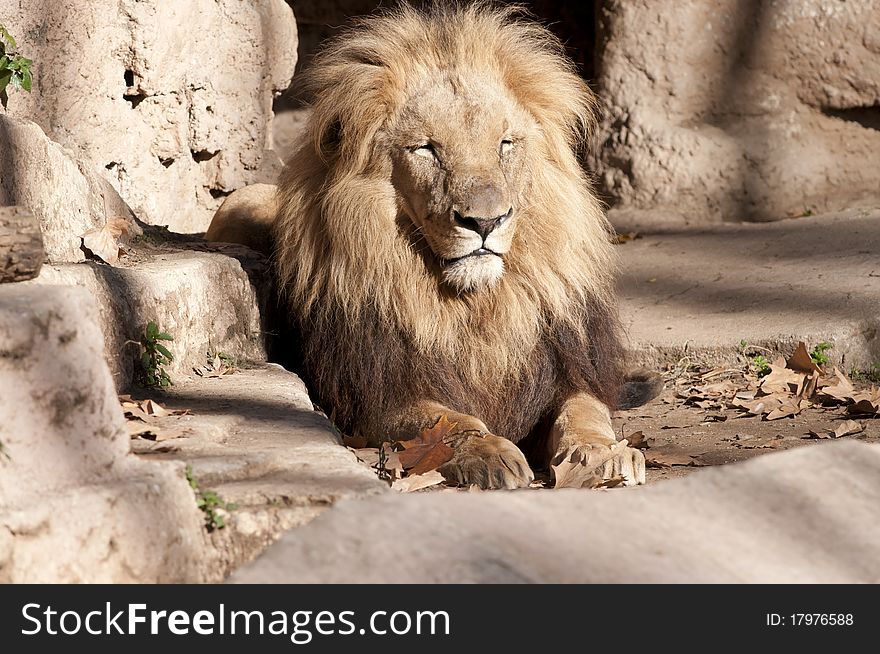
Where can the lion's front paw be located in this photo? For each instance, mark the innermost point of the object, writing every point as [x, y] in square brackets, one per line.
[489, 462]
[605, 461]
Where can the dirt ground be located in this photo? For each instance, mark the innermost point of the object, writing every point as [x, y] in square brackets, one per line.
[679, 431]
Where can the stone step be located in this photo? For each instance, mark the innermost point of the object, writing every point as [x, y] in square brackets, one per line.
[807, 515]
[696, 294]
[258, 443]
[207, 301]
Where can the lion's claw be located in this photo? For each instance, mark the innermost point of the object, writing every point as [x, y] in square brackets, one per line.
[489, 462]
[608, 461]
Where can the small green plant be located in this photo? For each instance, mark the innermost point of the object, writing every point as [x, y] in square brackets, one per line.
[817, 354]
[3, 453]
[208, 503]
[155, 356]
[757, 362]
[760, 365]
[872, 374]
[15, 70]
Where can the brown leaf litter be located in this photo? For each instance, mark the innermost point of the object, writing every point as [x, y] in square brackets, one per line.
[149, 420]
[217, 366]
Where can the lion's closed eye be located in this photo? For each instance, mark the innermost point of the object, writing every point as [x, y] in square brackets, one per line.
[428, 151]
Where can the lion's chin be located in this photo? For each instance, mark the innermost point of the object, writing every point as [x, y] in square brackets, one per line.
[474, 273]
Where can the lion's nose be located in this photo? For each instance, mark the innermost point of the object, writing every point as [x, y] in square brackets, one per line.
[482, 226]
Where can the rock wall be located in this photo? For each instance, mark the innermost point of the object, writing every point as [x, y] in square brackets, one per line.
[738, 110]
[170, 101]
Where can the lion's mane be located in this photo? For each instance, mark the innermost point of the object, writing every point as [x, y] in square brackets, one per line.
[377, 328]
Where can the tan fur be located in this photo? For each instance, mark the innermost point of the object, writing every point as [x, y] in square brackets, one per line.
[246, 217]
[368, 243]
[337, 232]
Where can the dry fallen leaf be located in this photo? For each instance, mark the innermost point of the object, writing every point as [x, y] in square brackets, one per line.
[614, 482]
[800, 361]
[427, 451]
[154, 432]
[390, 467]
[637, 440]
[848, 428]
[761, 405]
[413, 483]
[368, 455]
[217, 367]
[106, 241]
[149, 420]
[866, 402]
[788, 407]
[781, 378]
[841, 390]
[666, 460]
[576, 471]
[573, 474]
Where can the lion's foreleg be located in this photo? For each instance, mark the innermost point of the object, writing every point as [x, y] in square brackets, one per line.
[582, 431]
[480, 458]
[410, 420]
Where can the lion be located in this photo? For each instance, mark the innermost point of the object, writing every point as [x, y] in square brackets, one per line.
[442, 251]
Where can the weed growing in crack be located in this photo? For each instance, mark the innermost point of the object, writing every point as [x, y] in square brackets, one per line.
[209, 503]
[817, 354]
[871, 374]
[15, 70]
[155, 356]
[757, 362]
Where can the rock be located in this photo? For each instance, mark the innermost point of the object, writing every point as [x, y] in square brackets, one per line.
[75, 506]
[206, 301]
[738, 111]
[21, 245]
[802, 516]
[67, 196]
[287, 128]
[170, 101]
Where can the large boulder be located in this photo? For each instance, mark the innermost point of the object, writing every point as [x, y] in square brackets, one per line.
[170, 101]
[726, 110]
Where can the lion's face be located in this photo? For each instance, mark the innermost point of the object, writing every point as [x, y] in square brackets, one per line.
[459, 151]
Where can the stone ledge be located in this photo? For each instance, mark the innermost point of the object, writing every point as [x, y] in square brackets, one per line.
[803, 516]
[699, 293]
[257, 442]
[206, 301]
